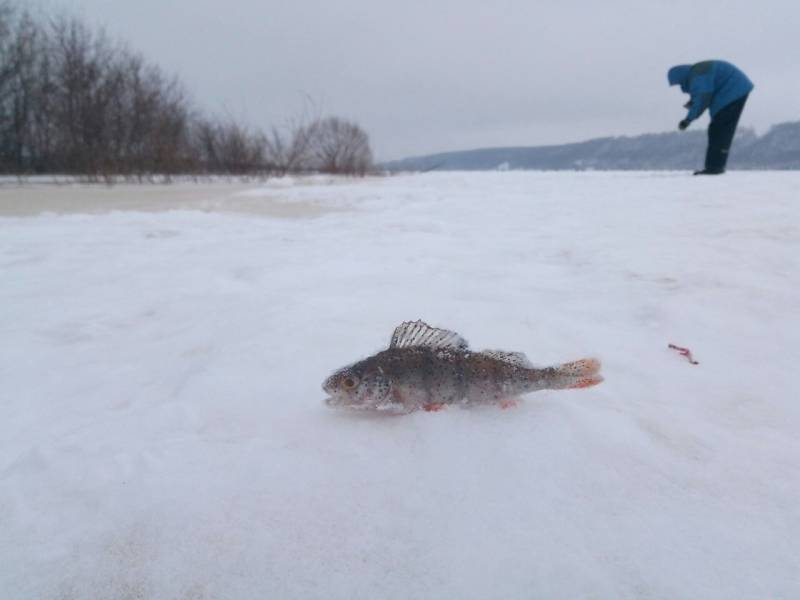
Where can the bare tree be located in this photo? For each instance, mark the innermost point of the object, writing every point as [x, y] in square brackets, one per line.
[288, 149]
[339, 146]
[7, 16]
[19, 38]
[288, 152]
[228, 147]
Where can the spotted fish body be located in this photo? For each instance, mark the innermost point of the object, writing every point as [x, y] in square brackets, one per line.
[429, 368]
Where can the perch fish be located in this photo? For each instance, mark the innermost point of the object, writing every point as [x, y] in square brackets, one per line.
[429, 368]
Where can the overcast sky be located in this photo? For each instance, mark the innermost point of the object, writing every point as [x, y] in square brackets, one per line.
[432, 75]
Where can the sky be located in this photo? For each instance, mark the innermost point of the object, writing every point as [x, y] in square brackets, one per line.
[439, 75]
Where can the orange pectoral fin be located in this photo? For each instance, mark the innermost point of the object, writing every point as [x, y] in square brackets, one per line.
[586, 382]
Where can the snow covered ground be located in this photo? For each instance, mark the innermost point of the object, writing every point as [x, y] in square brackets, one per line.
[163, 433]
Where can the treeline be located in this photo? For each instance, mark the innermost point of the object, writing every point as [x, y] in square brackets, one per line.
[73, 101]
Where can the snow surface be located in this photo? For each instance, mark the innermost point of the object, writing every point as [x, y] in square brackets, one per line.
[163, 433]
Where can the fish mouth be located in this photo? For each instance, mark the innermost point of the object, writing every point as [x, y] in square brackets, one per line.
[343, 403]
[333, 402]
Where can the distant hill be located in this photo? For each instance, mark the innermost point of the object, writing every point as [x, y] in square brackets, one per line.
[779, 148]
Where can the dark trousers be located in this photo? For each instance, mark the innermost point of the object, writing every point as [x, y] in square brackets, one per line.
[720, 134]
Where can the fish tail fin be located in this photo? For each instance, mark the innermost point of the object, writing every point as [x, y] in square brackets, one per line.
[577, 374]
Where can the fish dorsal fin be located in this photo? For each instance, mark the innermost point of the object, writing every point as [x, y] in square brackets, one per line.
[418, 333]
[518, 359]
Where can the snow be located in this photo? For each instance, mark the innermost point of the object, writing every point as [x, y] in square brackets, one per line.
[164, 433]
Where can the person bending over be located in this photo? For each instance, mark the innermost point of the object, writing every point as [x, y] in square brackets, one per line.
[721, 88]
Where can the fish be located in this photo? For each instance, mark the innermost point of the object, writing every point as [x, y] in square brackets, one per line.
[428, 368]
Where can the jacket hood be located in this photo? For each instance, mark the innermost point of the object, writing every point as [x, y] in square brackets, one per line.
[678, 75]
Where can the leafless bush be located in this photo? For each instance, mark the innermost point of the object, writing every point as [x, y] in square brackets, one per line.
[230, 148]
[288, 151]
[339, 146]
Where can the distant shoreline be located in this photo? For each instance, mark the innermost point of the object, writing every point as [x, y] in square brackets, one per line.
[778, 149]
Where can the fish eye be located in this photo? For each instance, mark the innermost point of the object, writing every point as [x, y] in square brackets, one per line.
[349, 382]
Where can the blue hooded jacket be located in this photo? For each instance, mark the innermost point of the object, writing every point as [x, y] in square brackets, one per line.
[713, 84]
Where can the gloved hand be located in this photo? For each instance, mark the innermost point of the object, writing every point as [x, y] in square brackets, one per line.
[683, 124]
